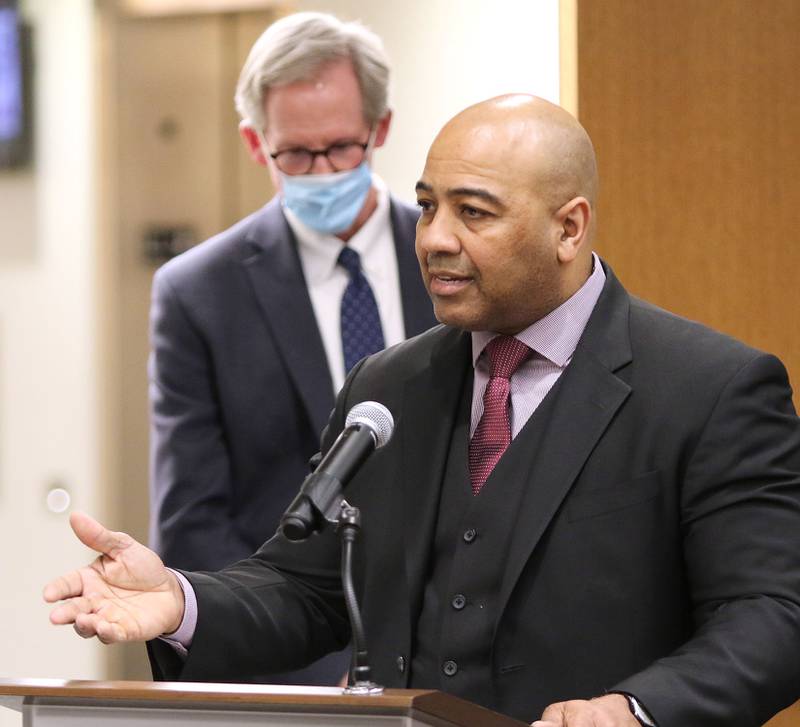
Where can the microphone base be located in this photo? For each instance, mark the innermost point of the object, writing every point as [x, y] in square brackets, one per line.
[363, 689]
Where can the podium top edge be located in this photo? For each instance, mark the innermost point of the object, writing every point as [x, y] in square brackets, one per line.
[181, 691]
[422, 701]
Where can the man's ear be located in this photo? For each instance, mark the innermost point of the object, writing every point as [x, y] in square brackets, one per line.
[573, 220]
[252, 143]
[382, 129]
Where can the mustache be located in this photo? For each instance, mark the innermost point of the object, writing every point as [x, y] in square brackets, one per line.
[441, 264]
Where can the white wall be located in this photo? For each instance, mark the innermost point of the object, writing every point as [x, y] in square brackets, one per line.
[48, 362]
[446, 55]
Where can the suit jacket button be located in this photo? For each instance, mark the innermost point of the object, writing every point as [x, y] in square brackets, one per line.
[450, 668]
[469, 535]
[458, 602]
[401, 664]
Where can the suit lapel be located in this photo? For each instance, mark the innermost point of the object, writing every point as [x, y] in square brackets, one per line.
[588, 396]
[272, 265]
[417, 308]
[430, 403]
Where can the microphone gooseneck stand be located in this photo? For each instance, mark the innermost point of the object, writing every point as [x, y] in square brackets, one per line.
[349, 525]
[320, 504]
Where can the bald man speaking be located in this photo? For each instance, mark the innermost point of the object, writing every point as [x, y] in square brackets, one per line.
[588, 514]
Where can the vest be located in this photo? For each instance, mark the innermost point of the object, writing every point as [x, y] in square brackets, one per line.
[455, 631]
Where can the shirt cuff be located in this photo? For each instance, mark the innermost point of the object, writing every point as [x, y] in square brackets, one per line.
[181, 639]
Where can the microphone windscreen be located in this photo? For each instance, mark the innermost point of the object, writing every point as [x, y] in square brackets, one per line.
[375, 416]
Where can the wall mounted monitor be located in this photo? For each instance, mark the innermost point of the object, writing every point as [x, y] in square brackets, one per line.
[15, 88]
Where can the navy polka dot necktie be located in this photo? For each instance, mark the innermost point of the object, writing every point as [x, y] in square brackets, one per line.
[360, 320]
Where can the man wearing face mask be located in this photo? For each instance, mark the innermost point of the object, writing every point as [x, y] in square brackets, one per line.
[254, 330]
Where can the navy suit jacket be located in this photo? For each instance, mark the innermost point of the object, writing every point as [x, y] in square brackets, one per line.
[240, 387]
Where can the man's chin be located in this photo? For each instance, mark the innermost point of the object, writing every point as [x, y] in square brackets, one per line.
[451, 316]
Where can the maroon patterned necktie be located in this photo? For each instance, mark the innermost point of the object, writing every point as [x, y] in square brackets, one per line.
[493, 434]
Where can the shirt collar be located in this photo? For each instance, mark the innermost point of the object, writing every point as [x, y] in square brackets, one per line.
[320, 250]
[556, 336]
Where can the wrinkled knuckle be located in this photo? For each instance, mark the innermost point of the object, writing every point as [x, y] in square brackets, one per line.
[551, 711]
[123, 540]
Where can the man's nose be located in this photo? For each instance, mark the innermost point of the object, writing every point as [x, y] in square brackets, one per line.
[438, 234]
[321, 165]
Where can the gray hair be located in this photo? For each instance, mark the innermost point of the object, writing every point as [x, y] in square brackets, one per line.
[293, 49]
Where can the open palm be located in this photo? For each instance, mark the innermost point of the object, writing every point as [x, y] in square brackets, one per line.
[125, 594]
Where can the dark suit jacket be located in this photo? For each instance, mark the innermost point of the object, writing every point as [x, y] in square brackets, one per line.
[240, 387]
[657, 548]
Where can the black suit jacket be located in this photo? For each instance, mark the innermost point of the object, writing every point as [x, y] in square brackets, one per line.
[240, 386]
[657, 548]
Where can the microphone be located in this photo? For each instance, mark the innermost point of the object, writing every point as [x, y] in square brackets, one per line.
[368, 426]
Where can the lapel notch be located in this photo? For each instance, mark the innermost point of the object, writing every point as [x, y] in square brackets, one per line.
[272, 265]
[589, 394]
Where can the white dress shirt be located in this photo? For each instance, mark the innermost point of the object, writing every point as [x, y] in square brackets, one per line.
[553, 340]
[326, 281]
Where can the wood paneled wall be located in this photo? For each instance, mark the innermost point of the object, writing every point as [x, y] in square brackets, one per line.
[694, 108]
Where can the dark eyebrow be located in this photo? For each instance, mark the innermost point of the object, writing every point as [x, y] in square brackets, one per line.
[478, 192]
[475, 192]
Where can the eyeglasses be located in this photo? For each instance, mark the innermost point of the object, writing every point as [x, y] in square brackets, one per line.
[341, 155]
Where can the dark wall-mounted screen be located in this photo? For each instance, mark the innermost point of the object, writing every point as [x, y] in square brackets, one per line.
[15, 91]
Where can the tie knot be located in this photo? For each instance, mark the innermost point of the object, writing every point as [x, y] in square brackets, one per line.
[350, 260]
[506, 353]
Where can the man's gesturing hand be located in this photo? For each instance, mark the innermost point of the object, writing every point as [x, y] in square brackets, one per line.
[609, 711]
[125, 594]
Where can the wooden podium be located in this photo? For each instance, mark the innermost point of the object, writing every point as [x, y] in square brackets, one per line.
[56, 703]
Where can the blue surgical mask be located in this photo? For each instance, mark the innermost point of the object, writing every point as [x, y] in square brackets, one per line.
[328, 203]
